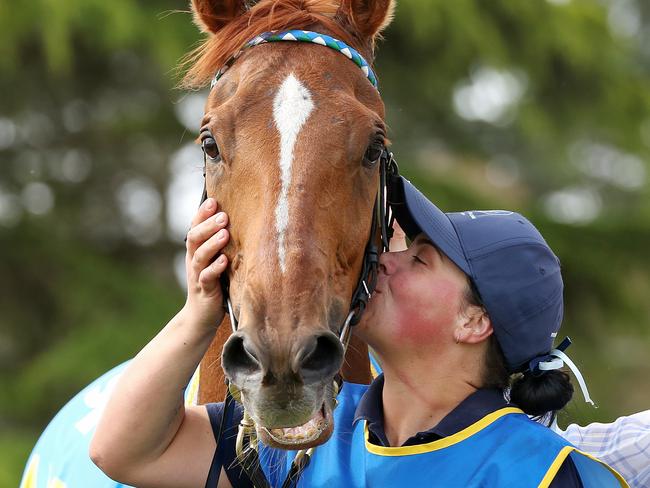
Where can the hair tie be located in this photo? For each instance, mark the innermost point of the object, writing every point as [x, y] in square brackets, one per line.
[556, 360]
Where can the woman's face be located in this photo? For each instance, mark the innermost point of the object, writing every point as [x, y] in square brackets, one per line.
[419, 298]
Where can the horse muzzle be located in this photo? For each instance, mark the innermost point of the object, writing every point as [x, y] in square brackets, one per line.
[288, 391]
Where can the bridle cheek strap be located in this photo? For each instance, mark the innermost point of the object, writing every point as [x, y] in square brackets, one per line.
[382, 221]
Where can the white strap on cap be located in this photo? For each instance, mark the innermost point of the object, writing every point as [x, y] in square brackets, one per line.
[557, 362]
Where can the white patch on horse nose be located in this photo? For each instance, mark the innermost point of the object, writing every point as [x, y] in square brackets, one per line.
[291, 108]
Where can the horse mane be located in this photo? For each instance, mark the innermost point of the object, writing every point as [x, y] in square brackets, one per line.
[267, 15]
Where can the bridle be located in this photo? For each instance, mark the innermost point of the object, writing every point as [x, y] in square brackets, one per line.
[381, 227]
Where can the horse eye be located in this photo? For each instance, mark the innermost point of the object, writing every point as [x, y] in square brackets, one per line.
[210, 148]
[372, 154]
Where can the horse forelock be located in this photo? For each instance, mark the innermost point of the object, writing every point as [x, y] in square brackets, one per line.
[267, 15]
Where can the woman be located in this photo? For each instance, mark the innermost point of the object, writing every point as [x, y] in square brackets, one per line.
[476, 297]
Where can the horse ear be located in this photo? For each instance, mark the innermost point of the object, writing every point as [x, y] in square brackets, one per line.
[369, 17]
[212, 15]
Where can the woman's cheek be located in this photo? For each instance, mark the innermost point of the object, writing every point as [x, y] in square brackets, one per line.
[428, 312]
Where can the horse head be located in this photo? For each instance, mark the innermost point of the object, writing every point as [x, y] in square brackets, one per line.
[291, 133]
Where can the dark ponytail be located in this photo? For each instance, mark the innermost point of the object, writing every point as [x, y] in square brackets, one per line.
[538, 395]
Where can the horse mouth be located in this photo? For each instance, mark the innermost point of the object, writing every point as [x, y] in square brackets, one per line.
[312, 433]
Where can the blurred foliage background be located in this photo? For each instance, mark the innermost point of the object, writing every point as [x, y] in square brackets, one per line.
[539, 106]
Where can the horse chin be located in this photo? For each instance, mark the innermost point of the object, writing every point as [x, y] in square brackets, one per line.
[314, 432]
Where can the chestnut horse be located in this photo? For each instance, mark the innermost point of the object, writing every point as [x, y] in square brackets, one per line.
[287, 131]
[292, 134]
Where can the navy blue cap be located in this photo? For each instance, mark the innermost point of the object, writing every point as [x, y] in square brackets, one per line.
[515, 271]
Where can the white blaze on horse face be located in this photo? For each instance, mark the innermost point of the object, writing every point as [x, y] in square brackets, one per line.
[291, 108]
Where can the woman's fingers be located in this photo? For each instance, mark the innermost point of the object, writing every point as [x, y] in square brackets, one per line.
[204, 230]
[205, 240]
[209, 276]
[207, 208]
[204, 263]
[208, 250]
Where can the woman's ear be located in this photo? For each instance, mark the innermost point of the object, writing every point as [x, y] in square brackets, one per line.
[368, 17]
[474, 327]
[212, 15]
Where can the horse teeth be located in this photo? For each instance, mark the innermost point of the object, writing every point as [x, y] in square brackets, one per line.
[307, 432]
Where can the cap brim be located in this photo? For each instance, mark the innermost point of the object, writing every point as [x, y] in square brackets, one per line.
[415, 214]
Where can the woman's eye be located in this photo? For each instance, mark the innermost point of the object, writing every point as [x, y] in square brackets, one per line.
[416, 258]
[210, 148]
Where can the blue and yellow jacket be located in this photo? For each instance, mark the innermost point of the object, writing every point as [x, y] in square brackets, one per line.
[502, 449]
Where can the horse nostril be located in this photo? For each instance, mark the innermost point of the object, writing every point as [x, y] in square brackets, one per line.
[239, 359]
[321, 357]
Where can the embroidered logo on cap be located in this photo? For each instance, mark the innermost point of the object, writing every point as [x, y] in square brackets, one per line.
[474, 214]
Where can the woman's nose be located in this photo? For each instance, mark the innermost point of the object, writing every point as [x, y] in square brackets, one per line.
[387, 262]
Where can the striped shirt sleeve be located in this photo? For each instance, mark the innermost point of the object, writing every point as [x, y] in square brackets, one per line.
[623, 444]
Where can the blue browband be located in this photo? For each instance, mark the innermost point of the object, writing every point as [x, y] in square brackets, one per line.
[303, 36]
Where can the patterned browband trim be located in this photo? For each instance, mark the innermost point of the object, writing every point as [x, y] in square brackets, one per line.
[303, 36]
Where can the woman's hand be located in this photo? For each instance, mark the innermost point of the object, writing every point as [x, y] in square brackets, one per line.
[205, 240]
